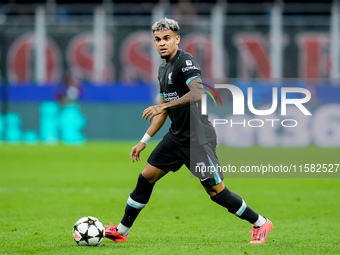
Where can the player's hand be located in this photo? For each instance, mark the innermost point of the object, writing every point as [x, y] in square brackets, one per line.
[136, 150]
[153, 111]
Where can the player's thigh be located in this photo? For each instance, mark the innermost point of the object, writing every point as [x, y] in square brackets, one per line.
[205, 165]
[152, 174]
[164, 156]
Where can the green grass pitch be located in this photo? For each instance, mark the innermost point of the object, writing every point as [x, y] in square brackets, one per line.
[44, 190]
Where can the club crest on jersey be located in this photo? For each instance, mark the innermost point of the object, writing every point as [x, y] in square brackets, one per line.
[170, 78]
[188, 62]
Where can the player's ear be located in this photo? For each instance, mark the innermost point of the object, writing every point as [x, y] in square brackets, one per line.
[178, 39]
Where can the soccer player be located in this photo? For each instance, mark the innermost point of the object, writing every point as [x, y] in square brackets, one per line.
[191, 139]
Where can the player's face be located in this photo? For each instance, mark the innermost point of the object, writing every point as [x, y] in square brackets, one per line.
[167, 44]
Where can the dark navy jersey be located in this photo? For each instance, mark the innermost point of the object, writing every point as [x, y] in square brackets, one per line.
[188, 126]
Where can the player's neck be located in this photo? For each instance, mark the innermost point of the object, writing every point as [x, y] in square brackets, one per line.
[167, 60]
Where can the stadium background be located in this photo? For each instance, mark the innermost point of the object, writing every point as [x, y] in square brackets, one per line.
[89, 88]
[100, 56]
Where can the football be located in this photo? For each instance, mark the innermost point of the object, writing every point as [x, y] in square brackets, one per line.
[88, 231]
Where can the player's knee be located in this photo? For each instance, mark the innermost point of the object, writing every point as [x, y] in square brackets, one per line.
[215, 189]
[149, 177]
[152, 174]
[144, 181]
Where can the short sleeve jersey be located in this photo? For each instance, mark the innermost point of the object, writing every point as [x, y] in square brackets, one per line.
[174, 78]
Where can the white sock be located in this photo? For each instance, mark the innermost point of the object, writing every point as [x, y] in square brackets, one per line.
[260, 221]
[121, 229]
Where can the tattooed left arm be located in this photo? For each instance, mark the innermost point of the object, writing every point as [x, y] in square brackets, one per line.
[192, 96]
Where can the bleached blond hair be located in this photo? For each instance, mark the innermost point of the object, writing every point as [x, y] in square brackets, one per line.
[166, 24]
